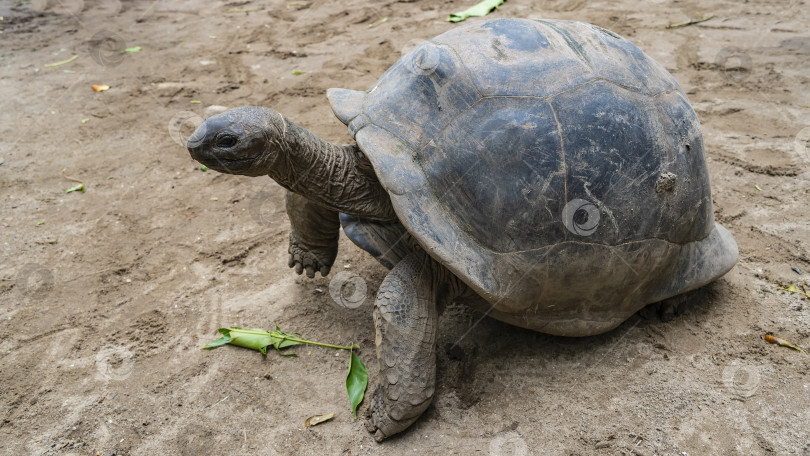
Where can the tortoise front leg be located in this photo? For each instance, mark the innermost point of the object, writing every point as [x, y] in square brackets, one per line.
[313, 235]
[405, 317]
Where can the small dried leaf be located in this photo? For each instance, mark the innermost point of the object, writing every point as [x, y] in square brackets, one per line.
[62, 62]
[100, 87]
[318, 419]
[781, 342]
[381, 21]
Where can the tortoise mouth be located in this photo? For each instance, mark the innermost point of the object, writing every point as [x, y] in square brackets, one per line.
[231, 166]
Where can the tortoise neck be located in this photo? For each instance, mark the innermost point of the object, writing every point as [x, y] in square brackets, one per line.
[337, 177]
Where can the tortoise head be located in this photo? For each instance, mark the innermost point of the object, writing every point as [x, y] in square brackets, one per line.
[238, 141]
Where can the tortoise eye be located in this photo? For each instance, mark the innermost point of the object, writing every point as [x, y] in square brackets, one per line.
[227, 141]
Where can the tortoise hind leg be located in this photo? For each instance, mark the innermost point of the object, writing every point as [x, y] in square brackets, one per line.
[670, 308]
[405, 317]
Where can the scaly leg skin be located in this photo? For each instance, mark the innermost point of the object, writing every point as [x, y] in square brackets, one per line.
[405, 318]
[313, 235]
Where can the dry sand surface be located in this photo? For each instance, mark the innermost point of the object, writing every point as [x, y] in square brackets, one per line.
[106, 296]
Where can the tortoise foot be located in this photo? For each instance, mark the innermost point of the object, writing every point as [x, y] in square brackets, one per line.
[310, 259]
[379, 420]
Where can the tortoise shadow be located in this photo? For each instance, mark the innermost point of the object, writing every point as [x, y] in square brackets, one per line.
[493, 355]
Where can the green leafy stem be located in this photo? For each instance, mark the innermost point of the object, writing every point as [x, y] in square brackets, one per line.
[257, 339]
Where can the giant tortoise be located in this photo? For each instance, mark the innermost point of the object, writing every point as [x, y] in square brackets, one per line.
[546, 172]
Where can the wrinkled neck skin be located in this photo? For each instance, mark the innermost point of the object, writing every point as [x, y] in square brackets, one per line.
[337, 177]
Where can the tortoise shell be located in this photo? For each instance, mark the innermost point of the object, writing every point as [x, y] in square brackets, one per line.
[551, 165]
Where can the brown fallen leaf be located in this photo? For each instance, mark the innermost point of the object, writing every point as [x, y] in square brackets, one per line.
[318, 419]
[100, 87]
[770, 338]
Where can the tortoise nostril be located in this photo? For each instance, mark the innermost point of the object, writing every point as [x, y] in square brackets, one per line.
[198, 137]
[195, 140]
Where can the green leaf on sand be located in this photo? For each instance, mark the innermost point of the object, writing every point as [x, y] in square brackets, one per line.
[76, 188]
[203, 168]
[356, 382]
[132, 49]
[257, 339]
[481, 9]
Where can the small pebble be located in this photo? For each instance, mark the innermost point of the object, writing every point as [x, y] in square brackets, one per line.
[796, 270]
[318, 290]
[2, 161]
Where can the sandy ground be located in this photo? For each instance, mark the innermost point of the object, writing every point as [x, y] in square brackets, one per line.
[106, 296]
